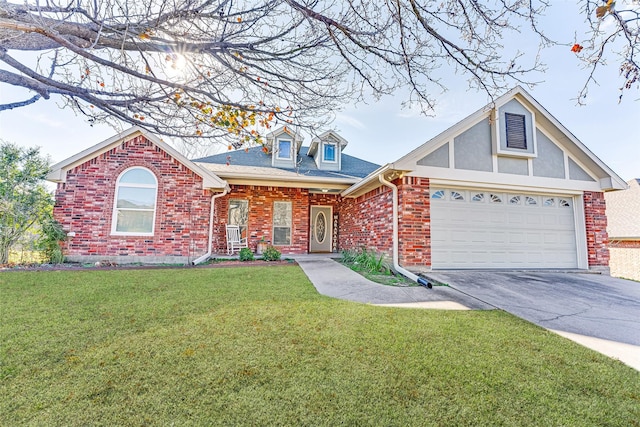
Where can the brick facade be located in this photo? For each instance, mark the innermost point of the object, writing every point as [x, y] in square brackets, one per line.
[596, 228]
[260, 221]
[365, 222]
[625, 259]
[84, 206]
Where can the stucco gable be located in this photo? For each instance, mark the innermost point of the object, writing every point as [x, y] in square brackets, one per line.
[59, 170]
[467, 139]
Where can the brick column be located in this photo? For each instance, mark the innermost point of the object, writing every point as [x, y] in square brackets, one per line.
[596, 226]
[414, 222]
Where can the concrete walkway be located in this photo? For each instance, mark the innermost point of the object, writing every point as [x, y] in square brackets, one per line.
[335, 280]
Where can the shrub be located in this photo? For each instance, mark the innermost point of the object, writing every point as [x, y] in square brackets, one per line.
[364, 260]
[51, 234]
[271, 254]
[246, 254]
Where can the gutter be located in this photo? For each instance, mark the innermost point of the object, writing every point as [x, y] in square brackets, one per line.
[211, 214]
[419, 280]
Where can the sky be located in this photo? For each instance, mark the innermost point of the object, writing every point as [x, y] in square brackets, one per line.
[381, 131]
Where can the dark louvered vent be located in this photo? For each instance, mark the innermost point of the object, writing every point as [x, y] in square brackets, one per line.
[516, 132]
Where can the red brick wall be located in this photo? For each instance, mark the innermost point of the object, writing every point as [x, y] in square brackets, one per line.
[366, 221]
[596, 225]
[260, 223]
[84, 205]
[414, 225]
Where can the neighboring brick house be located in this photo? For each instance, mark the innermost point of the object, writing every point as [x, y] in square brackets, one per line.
[507, 187]
[623, 214]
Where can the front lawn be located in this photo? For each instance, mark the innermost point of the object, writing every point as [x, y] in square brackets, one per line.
[259, 346]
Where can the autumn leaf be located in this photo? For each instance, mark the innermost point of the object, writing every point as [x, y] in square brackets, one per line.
[576, 48]
[601, 11]
[239, 19]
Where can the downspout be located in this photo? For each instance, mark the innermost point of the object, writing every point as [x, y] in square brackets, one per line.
[211, 215]
[396, 265]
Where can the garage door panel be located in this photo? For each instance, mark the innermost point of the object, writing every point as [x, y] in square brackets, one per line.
[534, 238]
[516, 237]
[472, 234]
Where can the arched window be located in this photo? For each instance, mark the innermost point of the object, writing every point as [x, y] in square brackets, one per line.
[134, 210]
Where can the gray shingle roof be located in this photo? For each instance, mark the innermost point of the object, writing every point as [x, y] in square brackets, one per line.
[623, 212]
[351, 166]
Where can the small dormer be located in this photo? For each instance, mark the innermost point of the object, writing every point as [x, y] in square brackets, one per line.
[326, 150]
[514, 130]
[284, 146]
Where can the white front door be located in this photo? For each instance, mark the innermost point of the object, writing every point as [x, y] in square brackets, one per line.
[321, 231]
[496, 229]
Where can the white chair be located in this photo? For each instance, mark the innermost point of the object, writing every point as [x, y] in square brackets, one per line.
[235, 242]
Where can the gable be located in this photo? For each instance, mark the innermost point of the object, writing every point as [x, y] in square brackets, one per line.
[58, 171]
[545, 155]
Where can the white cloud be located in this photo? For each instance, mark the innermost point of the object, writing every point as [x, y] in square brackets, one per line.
[351, 121]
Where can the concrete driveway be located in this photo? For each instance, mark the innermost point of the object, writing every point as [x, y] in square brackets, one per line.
[586, 304]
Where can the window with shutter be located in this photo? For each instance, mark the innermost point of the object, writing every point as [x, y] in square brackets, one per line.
[516, 131]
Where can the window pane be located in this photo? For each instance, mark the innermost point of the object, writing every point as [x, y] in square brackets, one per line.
[282, 214]
[138, 176]
[134, 221]
[329, 152]
[136, 198]
[281, 236]
[284, 149]
[281, 223]
[239, 214]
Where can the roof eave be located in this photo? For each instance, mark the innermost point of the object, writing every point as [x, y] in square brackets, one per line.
[363, 185]
[294, 178]
[58, 171]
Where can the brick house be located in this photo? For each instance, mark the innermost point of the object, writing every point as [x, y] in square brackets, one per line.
[623, 228]
[507, 187]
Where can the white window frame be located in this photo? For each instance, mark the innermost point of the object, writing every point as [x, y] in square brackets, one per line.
[335, 152]
[285, 155]
[280, 226]
[114, 216]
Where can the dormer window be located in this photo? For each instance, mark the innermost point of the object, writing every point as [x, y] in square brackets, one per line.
[326, 150]
[329, 153]
[284, 149]
[516, 131]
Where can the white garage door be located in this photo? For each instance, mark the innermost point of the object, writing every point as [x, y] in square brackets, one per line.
[489, 229]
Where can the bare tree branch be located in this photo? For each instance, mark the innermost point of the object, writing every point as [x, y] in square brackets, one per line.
[230, 70]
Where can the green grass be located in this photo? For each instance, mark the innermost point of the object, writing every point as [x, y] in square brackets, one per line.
[259, 346]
